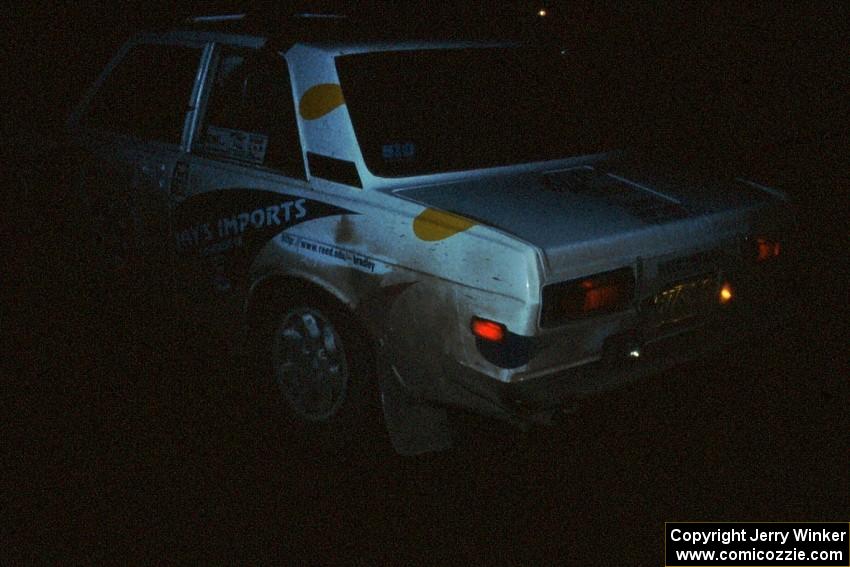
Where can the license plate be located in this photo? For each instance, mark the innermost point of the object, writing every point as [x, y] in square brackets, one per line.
[683, 301]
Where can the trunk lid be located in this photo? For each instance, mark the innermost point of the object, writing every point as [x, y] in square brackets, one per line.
[602, 215]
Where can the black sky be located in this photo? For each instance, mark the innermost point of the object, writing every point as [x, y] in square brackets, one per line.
[768, 73]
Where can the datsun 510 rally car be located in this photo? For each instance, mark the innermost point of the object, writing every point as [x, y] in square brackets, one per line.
[433, 221]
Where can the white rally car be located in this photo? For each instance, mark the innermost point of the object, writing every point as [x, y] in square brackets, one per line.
[434, 221]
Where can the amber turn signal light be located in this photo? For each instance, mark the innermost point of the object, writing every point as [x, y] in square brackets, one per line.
[726, 293]
[488, 330]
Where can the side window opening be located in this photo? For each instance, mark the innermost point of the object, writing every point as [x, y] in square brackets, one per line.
[251, 114]
[147, 94]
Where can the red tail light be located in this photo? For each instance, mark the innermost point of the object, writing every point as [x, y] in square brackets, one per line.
[602, 293]
[488, 330]
[767, 249]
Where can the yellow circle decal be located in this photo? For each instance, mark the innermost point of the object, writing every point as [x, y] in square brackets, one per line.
[432, 224]
[320, 100]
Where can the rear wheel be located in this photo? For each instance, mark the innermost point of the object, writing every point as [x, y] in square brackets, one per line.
[310, 366]
[322, 377]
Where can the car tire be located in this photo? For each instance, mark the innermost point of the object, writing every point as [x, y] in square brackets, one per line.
[319, 375]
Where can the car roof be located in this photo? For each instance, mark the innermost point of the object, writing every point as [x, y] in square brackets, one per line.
[360, 31]
[325, 48]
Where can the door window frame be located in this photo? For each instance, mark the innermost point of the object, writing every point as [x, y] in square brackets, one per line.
[193, 143]
[190, 119]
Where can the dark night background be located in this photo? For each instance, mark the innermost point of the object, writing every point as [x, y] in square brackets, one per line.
[115, 447]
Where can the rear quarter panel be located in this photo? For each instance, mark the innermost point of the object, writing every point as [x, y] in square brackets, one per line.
[413, 275]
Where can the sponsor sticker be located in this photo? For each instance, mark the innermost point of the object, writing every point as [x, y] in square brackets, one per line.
[222, 231]
[398, 151]
[236, 144]
[327, 253]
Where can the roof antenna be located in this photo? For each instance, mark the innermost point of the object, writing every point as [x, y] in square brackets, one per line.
[215, 18]
[319, 16]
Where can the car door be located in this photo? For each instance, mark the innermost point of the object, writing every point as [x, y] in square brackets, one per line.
[131, 134]
[244, 178]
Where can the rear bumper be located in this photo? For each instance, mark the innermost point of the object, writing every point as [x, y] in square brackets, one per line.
[538, 399]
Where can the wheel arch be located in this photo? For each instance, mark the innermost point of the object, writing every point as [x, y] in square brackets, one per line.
[269, 293]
